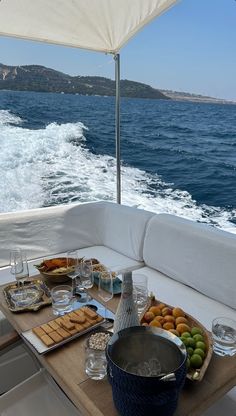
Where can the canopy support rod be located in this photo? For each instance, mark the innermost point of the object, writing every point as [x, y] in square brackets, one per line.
[117, 129]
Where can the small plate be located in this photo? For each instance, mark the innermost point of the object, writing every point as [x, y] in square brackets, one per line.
[40, 296]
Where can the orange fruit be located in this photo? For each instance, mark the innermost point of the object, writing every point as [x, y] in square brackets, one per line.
[166, 311]
[145, 324]
[161, 306]
[168, 325]
[155, 323]
[169, 318]
[183, 328]
[156, 310]
[175, 332]
[160, 319]
[181, 320]
[178, 312]
[149, 316]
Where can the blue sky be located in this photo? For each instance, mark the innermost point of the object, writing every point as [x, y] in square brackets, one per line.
[190, 48]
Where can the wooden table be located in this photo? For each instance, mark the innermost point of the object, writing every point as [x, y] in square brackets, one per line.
[94, 398]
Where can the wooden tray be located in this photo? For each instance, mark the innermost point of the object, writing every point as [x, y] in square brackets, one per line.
[198, 373]
[43, 299]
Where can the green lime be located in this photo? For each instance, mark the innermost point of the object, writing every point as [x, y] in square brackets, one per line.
[201, 345]
[190, 351]
[185, 335]
[196, 361]
[184, 340]
[198, 337]
[195, 330]
[199, 352]
[190, 342]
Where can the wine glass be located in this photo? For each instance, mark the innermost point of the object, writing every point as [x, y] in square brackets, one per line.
[16, 264]
[73, 264]
[86, 278]
[19, 268]
[105, 288]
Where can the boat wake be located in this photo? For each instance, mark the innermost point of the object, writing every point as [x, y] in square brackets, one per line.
[53, 165]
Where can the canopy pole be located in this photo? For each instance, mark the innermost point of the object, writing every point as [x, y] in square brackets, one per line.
[117, 129]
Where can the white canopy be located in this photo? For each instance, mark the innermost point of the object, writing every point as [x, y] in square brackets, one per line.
[99, 25]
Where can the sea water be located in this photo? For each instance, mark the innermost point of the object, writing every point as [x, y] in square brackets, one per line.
[177, 157]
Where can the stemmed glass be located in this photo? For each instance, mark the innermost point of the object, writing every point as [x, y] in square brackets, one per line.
[105, 288]
[16, 264]
[86, 276]
[73, 264]
[19, 268]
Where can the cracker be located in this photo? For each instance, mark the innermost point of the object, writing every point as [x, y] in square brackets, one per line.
[64, 334]
[79, 314]
[99, 318]
[46, 328]
[87, 324]
[90, 313]
[73, 331]
[58, 320]
[38, 331]
[78, 319]
[79, 327]
[67, 324]
[54, 325]
[47, 340]
[72, 315]
[55, 336]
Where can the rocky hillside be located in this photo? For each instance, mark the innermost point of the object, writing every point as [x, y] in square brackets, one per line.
[42, 79]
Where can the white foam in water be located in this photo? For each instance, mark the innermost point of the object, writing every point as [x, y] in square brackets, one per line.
[52, 166]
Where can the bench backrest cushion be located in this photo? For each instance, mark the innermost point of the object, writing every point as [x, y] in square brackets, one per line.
[197, 255]
[124, 229]
[48, 231]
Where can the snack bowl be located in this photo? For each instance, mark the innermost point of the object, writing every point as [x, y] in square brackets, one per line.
[55, 270]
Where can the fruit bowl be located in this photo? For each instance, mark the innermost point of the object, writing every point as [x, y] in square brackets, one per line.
[197, 339]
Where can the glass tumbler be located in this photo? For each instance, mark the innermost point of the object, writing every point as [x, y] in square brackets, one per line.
[224, 336]
[140, 291]
[62, 299]
[95, 356]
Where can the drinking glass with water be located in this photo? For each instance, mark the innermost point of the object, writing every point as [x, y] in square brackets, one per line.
[140, 291]
[224, 336]
[62, 299]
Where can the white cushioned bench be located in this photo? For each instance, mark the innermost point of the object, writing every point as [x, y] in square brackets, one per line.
[191, 265]
[188, 264]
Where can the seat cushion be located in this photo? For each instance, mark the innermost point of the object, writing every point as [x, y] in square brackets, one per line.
[197, 255]
[191, 301]
[110, 258]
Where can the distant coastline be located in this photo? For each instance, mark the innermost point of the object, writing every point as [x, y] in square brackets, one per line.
[185, 96]
[38, 78]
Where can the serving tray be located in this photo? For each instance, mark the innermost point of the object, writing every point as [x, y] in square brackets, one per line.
[43, 298]
[196, 374]
[34, 341]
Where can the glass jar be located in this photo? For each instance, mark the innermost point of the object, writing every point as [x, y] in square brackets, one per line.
[95, 357]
